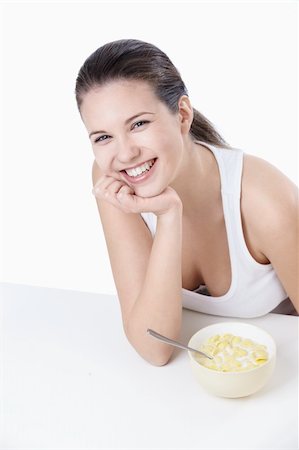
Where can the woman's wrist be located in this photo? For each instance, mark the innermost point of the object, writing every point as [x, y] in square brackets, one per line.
[172, 214]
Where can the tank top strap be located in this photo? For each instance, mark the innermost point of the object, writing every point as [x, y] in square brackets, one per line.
[230, 164]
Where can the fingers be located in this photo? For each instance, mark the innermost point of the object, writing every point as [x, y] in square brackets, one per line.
[160, 204]
[126, 190]
[107, 189]
[123, 197]
[131, 202]
[107, 186]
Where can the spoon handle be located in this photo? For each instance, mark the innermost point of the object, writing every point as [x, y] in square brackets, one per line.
[175, 343]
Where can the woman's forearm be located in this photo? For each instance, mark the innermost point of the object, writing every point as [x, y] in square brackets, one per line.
[159, 304]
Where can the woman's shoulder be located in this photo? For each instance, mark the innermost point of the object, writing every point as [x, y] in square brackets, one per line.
[264, 184]
[269, 199]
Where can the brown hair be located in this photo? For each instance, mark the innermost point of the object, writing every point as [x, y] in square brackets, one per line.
[132, 59]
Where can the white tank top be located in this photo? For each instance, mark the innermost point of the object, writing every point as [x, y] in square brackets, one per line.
[255, 288]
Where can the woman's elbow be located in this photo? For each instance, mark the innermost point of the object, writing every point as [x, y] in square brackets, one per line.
[156, 354]
[160, 360]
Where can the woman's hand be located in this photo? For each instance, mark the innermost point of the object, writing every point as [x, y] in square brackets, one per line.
[123, 197]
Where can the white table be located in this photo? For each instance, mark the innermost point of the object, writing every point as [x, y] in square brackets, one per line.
[71, 380]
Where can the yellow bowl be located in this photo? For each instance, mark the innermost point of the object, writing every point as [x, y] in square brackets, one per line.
[233, 384]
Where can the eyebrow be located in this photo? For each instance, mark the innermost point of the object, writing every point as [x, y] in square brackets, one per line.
[126, 122]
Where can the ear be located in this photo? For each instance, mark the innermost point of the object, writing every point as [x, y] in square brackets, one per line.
[185, 113]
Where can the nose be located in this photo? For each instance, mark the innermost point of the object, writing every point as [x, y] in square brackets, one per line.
[127, 150]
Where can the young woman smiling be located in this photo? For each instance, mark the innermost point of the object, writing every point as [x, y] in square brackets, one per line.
[188, 220]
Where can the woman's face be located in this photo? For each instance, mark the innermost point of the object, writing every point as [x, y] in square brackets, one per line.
[134, 137]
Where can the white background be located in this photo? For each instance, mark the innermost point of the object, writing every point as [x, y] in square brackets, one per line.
[238, 60]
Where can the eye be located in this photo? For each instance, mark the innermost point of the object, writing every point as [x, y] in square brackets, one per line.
[100, 138]
[140, 122]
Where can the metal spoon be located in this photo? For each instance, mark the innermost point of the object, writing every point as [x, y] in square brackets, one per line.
[175, 343]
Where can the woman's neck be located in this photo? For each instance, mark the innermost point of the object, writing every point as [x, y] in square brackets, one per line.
[198, 180]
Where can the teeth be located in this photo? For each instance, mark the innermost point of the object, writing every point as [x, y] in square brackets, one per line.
[140, 169]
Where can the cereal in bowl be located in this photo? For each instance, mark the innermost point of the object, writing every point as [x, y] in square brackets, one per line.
[232, 353]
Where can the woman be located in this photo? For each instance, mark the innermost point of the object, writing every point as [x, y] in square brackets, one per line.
[188, 220]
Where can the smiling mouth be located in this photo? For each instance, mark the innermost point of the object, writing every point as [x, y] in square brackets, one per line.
[140, 170]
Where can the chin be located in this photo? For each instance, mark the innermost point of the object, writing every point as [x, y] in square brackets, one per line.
[147, 192]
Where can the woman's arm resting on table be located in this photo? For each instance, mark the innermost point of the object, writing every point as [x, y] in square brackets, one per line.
[146, 271]
[273, 200]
